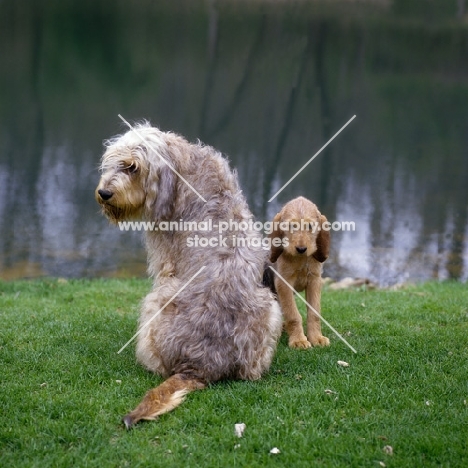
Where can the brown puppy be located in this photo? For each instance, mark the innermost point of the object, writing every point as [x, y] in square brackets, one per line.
[304, 247]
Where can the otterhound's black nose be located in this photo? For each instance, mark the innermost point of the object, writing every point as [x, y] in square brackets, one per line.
[301, 250]
[105, 194]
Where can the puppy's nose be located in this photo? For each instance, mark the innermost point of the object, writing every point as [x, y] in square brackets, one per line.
[301, 250]
[105, 194]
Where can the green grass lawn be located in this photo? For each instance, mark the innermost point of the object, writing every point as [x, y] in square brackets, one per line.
[64, 388]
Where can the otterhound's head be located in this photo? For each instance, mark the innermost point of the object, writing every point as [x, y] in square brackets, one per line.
[136, 180]
[298, 230]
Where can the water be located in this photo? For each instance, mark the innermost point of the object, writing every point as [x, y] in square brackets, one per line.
[267, 83]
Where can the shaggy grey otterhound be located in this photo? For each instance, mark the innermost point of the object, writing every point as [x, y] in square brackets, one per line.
[300, 223]
[224, 325]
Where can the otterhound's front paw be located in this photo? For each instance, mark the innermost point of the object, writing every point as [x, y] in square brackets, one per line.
[319, 340]
[301, 343]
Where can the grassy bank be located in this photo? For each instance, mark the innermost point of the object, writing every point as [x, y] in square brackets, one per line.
[63, 387]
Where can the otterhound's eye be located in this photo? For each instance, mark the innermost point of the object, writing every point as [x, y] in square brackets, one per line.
[131, 169]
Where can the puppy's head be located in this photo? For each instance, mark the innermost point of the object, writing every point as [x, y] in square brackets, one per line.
[298, 230]
[136, 181]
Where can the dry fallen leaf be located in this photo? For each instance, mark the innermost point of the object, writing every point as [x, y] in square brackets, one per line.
[239, 429]
[275, 450]
[342, 363]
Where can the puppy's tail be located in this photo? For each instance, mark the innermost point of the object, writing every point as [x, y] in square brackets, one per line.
[164, 398]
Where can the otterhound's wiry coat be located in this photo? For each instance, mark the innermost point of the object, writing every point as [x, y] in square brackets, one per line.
[224, 325]
[300, 224]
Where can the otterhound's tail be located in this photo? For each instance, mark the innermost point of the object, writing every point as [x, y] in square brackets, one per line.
[164, 398]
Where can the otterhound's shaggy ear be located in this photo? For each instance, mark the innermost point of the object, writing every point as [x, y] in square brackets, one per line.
[323, 242]
[276, 235]
[163, 205]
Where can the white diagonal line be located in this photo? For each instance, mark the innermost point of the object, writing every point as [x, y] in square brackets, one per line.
[161, 309]
[170, 167]
[312, 158]
[313, 310]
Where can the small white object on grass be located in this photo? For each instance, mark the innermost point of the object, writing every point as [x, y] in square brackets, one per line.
[388, 449]
[275, 451]
[239, 429]
[342, 363]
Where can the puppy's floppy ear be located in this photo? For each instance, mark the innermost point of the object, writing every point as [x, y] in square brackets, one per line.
[164, 204]
[323, 242]
[277, 233]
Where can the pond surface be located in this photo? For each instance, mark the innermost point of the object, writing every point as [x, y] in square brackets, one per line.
[268, 83]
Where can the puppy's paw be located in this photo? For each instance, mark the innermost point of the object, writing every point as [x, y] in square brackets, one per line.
[319, 340]
[301, 343]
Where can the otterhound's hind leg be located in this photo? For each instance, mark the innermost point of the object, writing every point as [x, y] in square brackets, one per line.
[164, 398]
